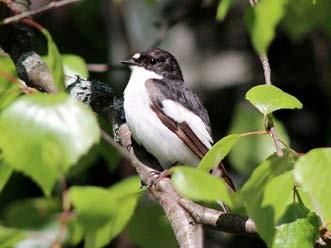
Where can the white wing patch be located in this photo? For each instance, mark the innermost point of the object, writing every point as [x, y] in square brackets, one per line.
[180, 114]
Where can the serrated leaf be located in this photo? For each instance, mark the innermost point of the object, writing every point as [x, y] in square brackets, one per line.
[261, 203]
[31, 213]
[301, 233]
[223, 8]
[312, 171]
[218, 152]
[199, 185]
[269, 98]
[74, 65]
[249, 151]
[262, 20]
[103, 213]
[54, 62]
[9, 237]
[43, 135]
[149, 226]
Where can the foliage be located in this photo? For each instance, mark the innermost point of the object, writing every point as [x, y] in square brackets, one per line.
[51, 138]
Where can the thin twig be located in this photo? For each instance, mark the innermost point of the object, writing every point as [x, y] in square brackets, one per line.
[270, 127]
[260, 132]
[105, 67]
[65, 215]
[266, 68]
[51, 5]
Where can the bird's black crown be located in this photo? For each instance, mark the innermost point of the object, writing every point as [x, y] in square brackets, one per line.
[158, 61]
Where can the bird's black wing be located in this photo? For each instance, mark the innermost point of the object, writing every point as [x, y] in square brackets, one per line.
[159, 91]
[176, 91]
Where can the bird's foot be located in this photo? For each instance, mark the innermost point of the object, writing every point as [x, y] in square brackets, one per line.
[156, 177]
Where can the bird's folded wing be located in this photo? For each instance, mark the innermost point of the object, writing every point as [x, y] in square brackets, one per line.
[184, 132]
[174, 105]
[182, 112]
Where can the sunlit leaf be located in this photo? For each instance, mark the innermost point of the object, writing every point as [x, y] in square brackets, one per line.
[43, 135]
[269, 98]
[312, 171]
[5, 173]
[199, 185]
[302, 233]
[262, 20]
[217, 153]
[54, 61]
[103, 213]
[223, 8]
[9, 83]
[74, 66]
[261, 203]
[9, 237]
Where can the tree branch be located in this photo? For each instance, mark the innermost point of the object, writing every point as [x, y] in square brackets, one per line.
[25, 14]
[17, 41]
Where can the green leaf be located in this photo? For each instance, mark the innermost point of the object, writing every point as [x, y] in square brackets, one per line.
[199, 185]
[9, 237]
[223, 8]
[303, 21]
[43, 135]
[301, 233]
[262, 204]
[5, 173]
[54, 62]
[294, 211]
[312, 171]
[217, 153]
[9, 90]
[250, 151]
[149, 226]
[31, 213]
[94, 206]
[269, 98]
[74, 65]
[262, 20]
[104, 213]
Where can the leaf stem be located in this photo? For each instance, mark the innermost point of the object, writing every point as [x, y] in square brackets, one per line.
[266, 68]
[260, 132]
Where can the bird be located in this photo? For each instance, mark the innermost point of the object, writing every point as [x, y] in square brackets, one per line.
[163, 114]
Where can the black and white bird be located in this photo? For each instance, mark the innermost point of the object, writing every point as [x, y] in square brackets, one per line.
[165, 116]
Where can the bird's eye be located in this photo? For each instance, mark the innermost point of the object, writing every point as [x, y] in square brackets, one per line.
[152, 61]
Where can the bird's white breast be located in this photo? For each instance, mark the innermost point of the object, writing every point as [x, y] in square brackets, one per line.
[146, 127]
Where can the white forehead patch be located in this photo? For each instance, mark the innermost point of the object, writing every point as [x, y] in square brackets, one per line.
[136, 56]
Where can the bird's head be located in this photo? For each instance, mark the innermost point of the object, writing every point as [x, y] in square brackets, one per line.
[158, 61]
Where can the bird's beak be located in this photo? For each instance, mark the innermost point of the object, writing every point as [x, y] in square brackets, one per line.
[129, 62]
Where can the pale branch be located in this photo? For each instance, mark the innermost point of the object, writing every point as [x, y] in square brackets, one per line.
[269, 118]
[17, 41]
[51, 5]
